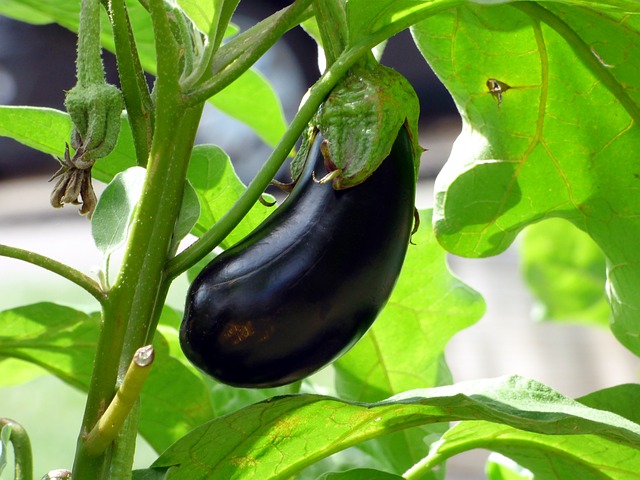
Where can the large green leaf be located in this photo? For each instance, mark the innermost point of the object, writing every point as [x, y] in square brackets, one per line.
[620, 399]
[560, 456]
[566, 272]
[59, 339]
[372, 21]
[560, 142]
[278, 437]
[404, 349]
[587, 457]
[499, 467]
[63, 341]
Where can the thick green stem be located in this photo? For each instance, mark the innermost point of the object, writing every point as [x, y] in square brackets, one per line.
[89, 63]
[135, 292]
[21, 449]
[223, 227]
[56, 267]
[132, 81]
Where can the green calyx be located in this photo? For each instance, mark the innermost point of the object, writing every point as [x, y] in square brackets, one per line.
[360, 121]
[95, 111]
[94, 107]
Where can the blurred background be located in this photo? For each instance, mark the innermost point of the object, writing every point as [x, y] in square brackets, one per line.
[37, 67]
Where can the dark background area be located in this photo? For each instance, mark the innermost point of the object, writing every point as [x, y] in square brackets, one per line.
[37, 67]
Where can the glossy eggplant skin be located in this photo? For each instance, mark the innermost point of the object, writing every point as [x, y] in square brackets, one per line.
[307, 284]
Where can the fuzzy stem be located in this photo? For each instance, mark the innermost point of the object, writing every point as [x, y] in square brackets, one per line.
[65, 271]
[21, 449]
[132, 80]
[89, 62]
[134, 294]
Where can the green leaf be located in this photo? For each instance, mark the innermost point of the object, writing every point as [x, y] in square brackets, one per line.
[381, 19]
[47, 130]
[218, 187]
[560, 142]
[59, 339]
[5, 434]
[279, 437]
[252, 100]
[499, 467]
[149, 474]
[63, 341]
[199, 11]
[111, 220]
[16, 372]
[566, 272]
[587, 457]
[360, 474]
[622, 400]
[30, 12]
[174, 399]
[428, 306]
[189, 213]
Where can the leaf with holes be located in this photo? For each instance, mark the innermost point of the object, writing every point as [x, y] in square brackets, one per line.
[555, 136]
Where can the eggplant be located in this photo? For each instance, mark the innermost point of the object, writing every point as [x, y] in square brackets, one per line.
[308, 282]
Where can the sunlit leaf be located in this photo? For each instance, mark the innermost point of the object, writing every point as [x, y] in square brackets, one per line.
[566, 271]
[278, 437]
[560, 141]
[47, 130]
[587, 457]
[63, 341]
[111, 220]
[499, 467]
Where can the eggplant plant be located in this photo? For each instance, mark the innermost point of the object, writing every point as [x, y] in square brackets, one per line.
[548, 96]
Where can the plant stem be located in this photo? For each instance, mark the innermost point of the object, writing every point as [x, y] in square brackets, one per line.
[332, 23]
[21, 449]
[89, 62]
[237, 56]
[132, 299]
[228, 222]
[228, 7]
[109, 425]
[65, 271]
[204, 58]
[132, 81]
